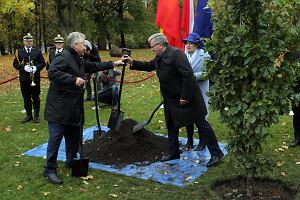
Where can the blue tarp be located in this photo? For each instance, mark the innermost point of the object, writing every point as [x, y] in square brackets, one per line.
[176, 172]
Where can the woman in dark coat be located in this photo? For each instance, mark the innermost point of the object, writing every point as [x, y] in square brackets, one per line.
[64, 104]
[183, 102]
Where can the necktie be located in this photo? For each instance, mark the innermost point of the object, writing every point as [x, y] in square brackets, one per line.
[28, 50]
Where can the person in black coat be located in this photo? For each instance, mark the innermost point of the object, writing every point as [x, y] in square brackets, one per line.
[92, 55]
[64, 103]
[183, 101]
[58, 48]
[29, 61]
[296, 106]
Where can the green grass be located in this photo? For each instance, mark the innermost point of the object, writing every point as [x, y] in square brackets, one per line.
[21, 176]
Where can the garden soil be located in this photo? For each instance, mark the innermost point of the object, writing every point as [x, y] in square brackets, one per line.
[120, 148]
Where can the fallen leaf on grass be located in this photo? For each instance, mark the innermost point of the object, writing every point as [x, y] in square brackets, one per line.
[279, 164]
[297, 163]
[17, 163]
[279, 149]
[283, 123]
[82, 190]
[8, 129]
[85, 182]
[115, 185]
[34, 129]
[113, 195]
[285, 147]
[283, 174]
[19, 187]
[87, 177]
[46, 193]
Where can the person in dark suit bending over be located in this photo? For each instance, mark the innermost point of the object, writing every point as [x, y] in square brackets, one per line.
[64, 103]
[29, 61]
[183, 101]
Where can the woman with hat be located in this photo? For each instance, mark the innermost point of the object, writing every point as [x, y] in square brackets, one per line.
[197, 58]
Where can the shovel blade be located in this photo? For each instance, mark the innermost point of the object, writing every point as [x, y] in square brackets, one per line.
[115, 120]
[80, 167]
[136, 128]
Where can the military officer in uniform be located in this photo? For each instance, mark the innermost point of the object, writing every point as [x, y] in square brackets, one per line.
[29, 61]
[58, 48]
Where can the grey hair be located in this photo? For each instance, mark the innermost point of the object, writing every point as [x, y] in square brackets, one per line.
[73, 38]
[159, 38]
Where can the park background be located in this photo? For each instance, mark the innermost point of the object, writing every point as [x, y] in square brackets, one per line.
[21, 177]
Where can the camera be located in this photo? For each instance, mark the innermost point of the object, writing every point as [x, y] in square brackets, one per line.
[126, 52]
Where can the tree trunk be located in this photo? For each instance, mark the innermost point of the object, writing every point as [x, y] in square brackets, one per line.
[250, 182]
[44, 26]
[121, 13]
[66, 22]
[101, 27]
[2, 48]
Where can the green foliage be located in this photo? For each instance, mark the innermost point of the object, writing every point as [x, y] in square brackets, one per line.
[252, 78]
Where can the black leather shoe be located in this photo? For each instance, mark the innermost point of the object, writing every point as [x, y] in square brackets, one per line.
[26, 119]
[169, 157]
[215, 160]
[295, 143]
[36, 120]
[53, 178]
[200, 146]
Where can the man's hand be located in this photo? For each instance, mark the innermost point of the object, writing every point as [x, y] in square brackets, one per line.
[33, 69]
[79, 82]
[118, 63]
[127, 59]
[28, 69]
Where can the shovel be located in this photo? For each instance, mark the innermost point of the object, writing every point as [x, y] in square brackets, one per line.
[116, 116]
[97, 133]
[80, 166]
[142, 125]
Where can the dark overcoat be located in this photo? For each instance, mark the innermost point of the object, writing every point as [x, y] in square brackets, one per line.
[64, 103]
[176, 82]
[35, 58]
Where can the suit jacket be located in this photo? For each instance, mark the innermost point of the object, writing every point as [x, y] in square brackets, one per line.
[176, 82]
[64, 103]
[22, 58]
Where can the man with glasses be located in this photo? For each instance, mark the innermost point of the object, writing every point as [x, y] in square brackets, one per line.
[183, 101]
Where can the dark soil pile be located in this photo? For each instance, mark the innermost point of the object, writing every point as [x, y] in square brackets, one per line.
[264, 189]
[120, 148]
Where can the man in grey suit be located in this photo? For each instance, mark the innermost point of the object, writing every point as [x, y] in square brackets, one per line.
[183, 101]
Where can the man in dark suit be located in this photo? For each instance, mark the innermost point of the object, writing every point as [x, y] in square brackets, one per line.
[64, 103]
[183, 101]
[58, 48]
[29, 61]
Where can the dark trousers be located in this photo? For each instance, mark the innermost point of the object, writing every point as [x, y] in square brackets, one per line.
[203, 126]
[190, 133]
[56, 133]
[296, 122]
[109, 96]
[31, 96]
[88, 88]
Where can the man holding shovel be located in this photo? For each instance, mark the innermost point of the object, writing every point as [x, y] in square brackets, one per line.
[64, 103]
[183, 102]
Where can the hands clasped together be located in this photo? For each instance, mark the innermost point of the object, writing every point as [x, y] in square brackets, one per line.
[30, 69]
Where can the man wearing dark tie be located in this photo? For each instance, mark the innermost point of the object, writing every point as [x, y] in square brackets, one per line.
[29, 61]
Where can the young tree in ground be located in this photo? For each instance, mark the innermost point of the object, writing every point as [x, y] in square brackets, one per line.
[252, 77]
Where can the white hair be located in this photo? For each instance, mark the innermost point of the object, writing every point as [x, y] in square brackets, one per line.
[73, 38]
[159, 38]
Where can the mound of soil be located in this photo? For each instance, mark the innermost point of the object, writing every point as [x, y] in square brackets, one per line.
[263, 189]
[119, 148]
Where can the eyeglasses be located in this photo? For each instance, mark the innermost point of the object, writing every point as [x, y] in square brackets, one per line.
[154, 45]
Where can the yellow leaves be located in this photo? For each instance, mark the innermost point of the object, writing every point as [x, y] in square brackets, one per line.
[113, 195]
[89, 177]
[297, 163]
[283, 174]
[19, 187]
[17, 164]
[279, 164]
[282, 148]
[34, 130]
[8, 129]
[46, 193]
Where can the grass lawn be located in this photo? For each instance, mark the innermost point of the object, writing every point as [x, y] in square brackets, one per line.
[21, 176]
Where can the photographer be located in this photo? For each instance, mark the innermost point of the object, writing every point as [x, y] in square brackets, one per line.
[91, 54]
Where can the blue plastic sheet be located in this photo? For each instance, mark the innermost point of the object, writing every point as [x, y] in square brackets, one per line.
[176, 172]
